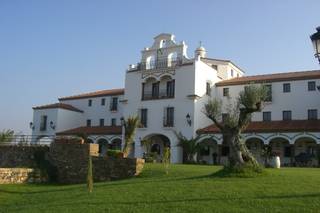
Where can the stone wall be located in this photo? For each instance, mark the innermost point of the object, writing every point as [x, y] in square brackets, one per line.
[71, 160]
[20, 175]
[19, 156]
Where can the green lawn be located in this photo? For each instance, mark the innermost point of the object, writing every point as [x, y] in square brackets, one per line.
[187, 188]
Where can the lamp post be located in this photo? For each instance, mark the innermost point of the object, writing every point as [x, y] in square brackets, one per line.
[315, 38]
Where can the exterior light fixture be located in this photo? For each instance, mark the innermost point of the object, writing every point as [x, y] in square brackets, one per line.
[31, 125]
[315, 38]
[52, 125]
[188, 117]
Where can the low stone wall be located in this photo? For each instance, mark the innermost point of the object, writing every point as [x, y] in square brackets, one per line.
[71, 161]
[15, 156]
[20, 175]
[67, 159]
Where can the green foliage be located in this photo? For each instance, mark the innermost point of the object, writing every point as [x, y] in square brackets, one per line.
[114, 153]
[6, 135]
[166, 159]
[150, 157]
[90, 175]
[253, 96]
[47, 169]
[190, 146]
[247, 170]
[131, 125]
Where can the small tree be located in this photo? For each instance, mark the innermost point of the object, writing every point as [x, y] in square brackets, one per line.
[90, 175]
[6, 135]
[190, 146]
[250, 100]
[166, 159]
[130, 126]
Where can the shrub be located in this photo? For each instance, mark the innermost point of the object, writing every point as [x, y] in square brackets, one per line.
[150, 157]
[46, 168]
[114, 153]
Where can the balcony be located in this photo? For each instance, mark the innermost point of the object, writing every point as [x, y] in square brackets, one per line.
[163, 94]
[157, 65]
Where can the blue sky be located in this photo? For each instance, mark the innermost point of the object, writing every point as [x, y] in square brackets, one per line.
[50, 49]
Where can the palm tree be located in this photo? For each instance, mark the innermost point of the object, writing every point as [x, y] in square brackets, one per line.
[190, 146]
[6, 135]
[130, 126]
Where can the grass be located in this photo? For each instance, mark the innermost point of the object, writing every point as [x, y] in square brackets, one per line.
[187, 188]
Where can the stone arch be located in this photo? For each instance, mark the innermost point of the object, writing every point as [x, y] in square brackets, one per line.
[150, 62]
[209, 151]
[306, 147]
[115, 144]
[256, 137]
[103, 145]
[155, 143]
[281, 147]
[172, 58]
[278, 136]
[217, 139]
[306, 136]
[255, 145]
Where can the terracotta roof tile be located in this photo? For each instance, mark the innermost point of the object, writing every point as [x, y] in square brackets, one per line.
[277, 77]
[273, 126]
[58, 105]
[95, 94]
[93, 130]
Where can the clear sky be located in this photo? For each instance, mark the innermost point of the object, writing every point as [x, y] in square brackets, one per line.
[55, 48]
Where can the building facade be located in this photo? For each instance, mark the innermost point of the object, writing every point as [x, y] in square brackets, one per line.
[168, 90]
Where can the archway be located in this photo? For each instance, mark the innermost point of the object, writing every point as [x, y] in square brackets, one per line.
[255, 145]
[172, 59]
[154, 146]
[115, 144]
[282, 148]
[209, 151]
[306, 152]
[103, 146]
[151, 62]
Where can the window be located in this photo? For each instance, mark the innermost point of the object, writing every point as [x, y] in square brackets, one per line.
[286, 115]
[101, 122]
[286, 87]
[155, 90]
[311, 86]
[103, 101]
[113, 122]
[204, 150]
[225, 117]
[43, 123]
[312, 114]
[143, 117]
[214, 66]
[208, 89]
[114, 104]
[225, 92]
[266, 116]
[88, 122]
[170, 88]
[168, 117]
[89, 102]
[232, 72]
[269, 93]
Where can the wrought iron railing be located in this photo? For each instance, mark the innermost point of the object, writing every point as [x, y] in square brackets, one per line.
[163, 94]
[159, 64]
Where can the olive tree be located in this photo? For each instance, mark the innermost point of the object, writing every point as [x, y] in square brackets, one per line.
[250, 100]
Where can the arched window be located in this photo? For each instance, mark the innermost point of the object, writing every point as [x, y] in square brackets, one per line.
[150, 62]
[163, 43]
[172, 59]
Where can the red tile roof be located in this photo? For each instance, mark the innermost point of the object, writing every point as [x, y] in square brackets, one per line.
[273, 126]
[100, 93]
[58, 105]
[93, 130]
[277, 77]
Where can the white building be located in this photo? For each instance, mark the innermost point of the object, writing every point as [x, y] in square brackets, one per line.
[168, 90]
